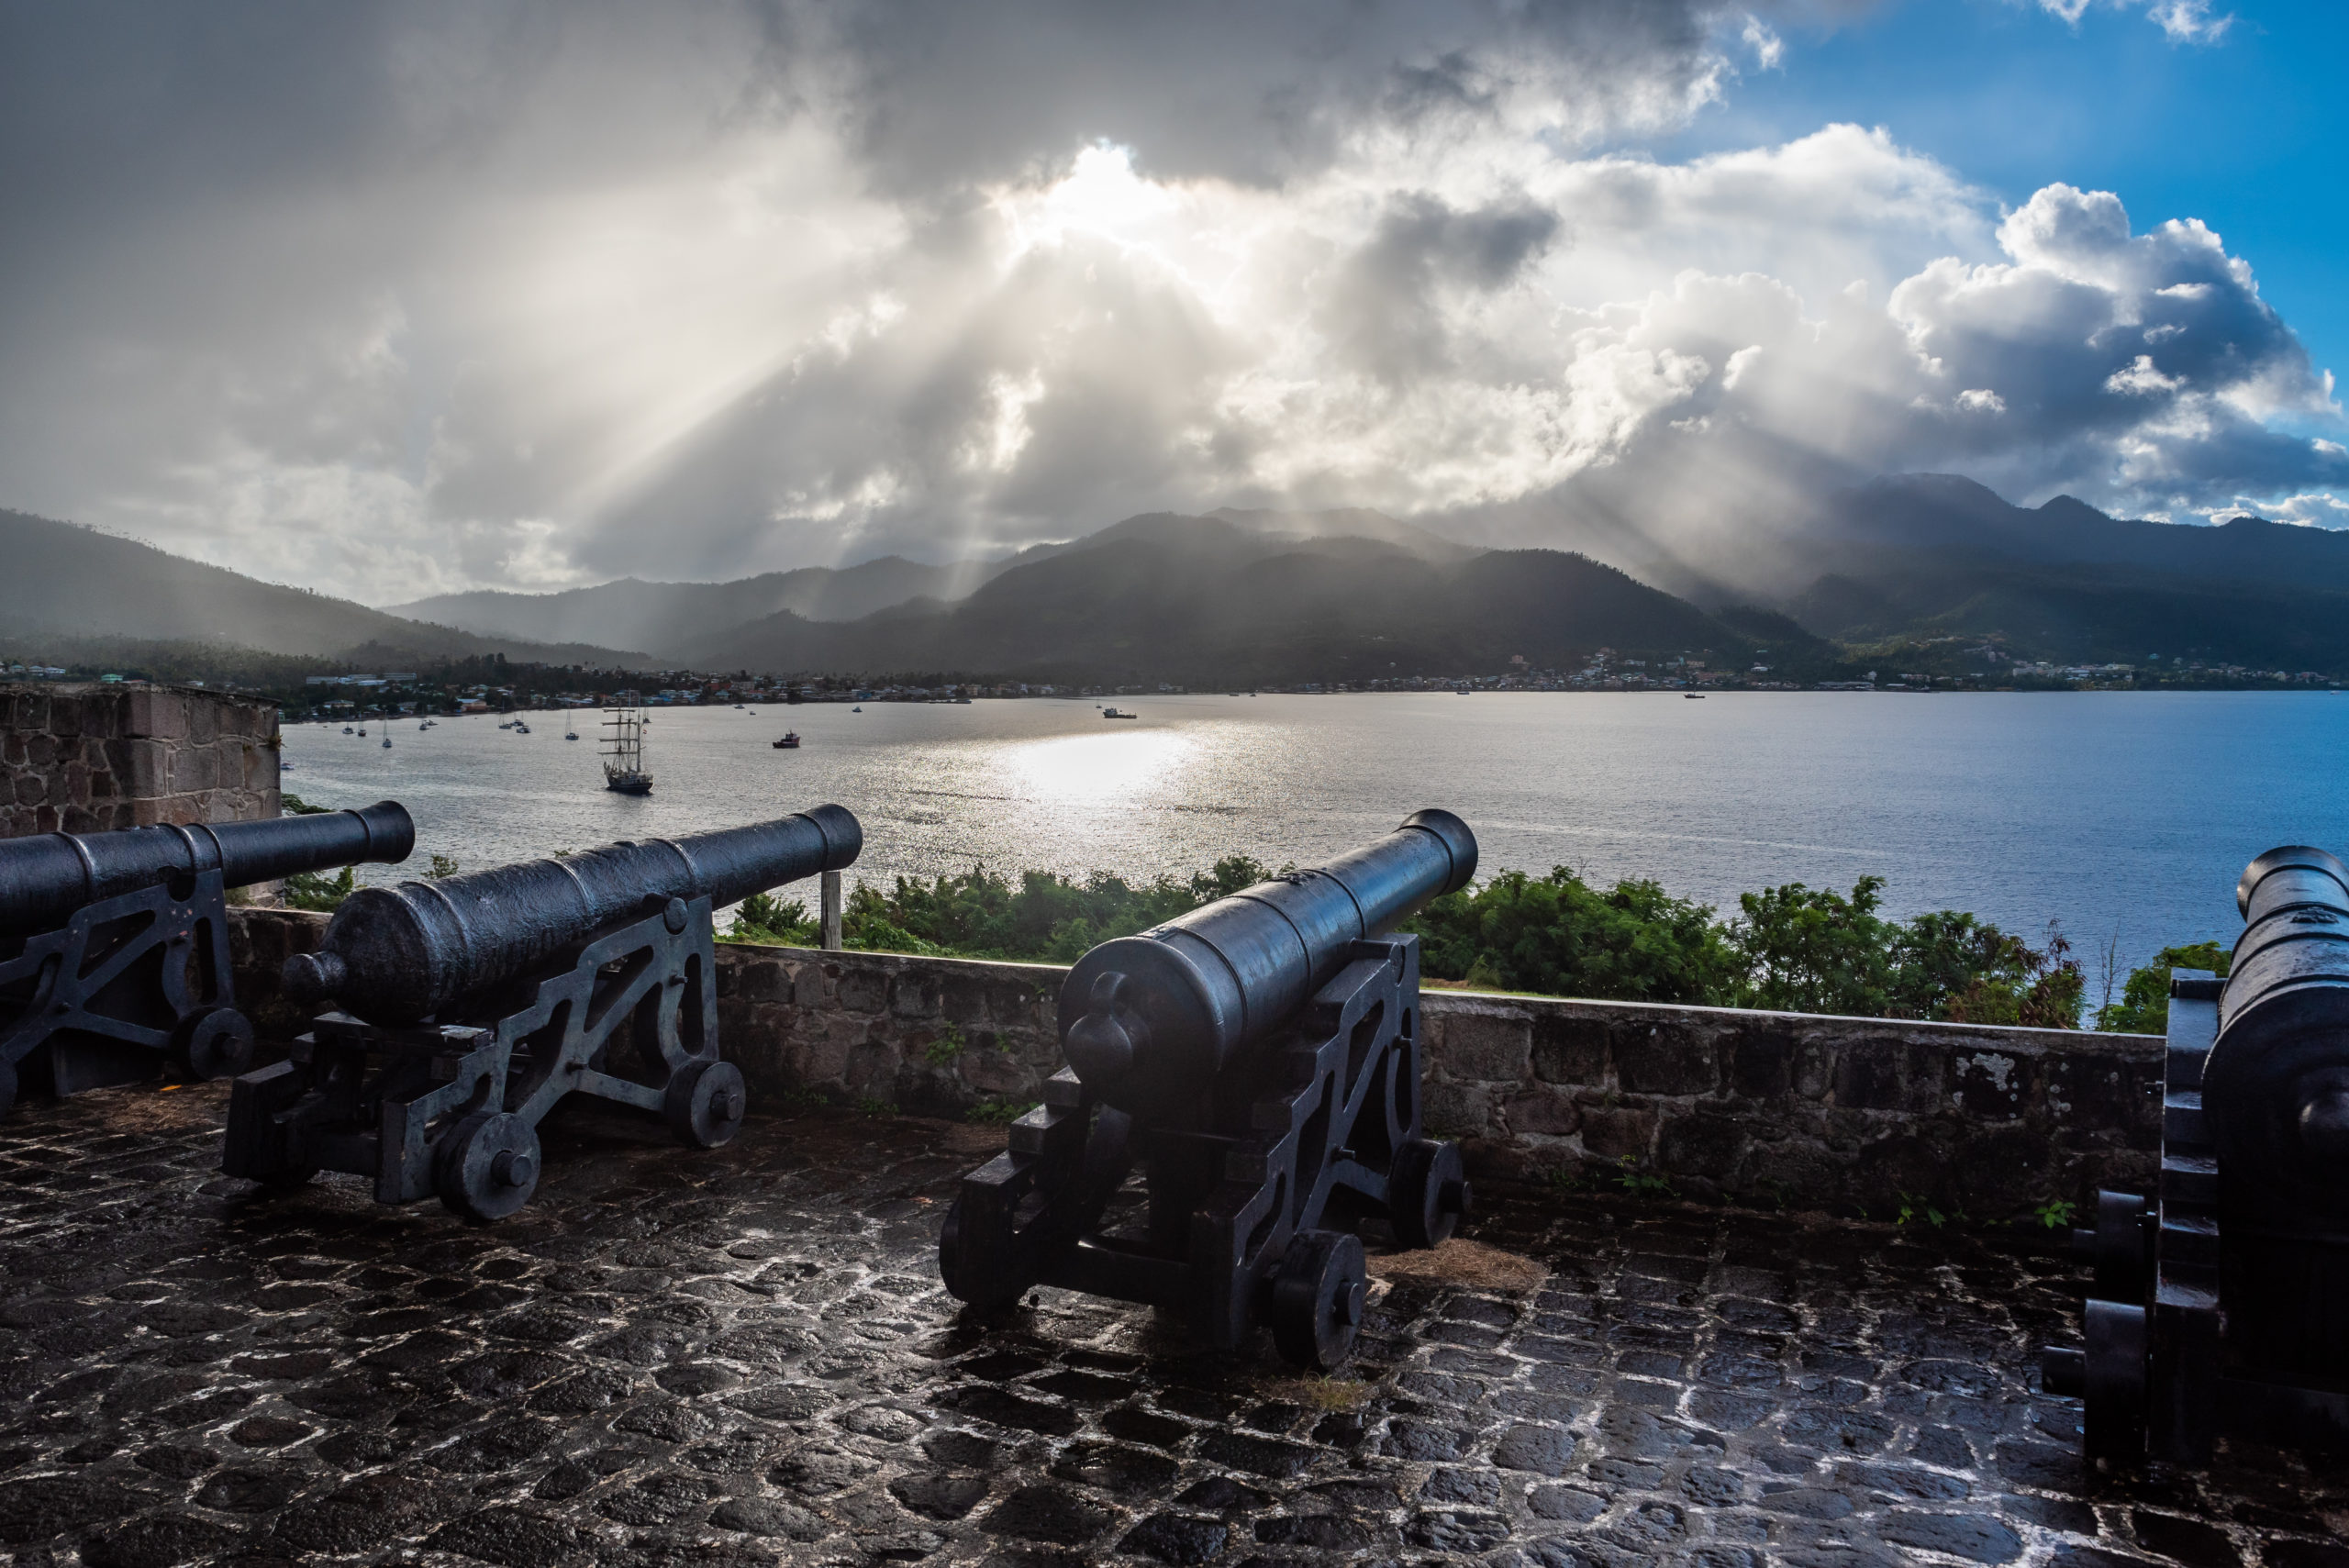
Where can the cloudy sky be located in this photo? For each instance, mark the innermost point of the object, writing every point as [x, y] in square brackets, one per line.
[389, 299]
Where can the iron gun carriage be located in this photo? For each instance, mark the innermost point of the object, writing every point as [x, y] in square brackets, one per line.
[468, 1008]
[2221, 1306]
[1260, 1058]
[114, 947]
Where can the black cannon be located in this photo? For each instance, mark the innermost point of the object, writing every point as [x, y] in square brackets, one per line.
[467, 1007]
[114, 947]
[2222, 1306]
[1260, 1058]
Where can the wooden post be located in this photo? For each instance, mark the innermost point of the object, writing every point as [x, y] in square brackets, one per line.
[831, 902]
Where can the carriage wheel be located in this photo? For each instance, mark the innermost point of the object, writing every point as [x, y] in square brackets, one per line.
[704, 1102]
[1427, 1193]
[215, 1043]
[1317, 1298]
[487, 1165]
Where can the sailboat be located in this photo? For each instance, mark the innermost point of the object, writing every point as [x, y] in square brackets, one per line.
[623, 750]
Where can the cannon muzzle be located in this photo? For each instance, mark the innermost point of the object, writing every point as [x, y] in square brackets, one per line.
[43, 880]
[395, 955]
[1148, 1020]
[2276, 1091]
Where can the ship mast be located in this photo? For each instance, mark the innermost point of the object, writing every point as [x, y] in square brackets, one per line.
[623, 747]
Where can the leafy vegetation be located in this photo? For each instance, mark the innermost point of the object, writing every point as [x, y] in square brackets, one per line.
[2143, 1007]
[317, 891]
[1792, 947]
[1046, 919]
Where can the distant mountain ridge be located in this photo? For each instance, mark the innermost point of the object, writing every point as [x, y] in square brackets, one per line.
[1925, 554]
[67, 580]
[1205, 601]
[1255, 596]
[664, 617]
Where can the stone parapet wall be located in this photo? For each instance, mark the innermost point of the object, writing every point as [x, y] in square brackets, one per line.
[1780, 1109]
[88, 757]
[1792, 1110]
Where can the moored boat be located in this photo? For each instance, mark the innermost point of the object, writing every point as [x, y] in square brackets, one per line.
[623, 750]
[790, 741]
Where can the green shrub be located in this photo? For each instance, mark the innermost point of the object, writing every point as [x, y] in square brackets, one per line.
[314, 890]
[1047, 918]
[1559, 935]
[762, 919]
[2143, 1007]
[1791, 948]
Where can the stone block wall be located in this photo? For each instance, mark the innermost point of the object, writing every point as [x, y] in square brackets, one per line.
[1851, 1116]
[87, 758]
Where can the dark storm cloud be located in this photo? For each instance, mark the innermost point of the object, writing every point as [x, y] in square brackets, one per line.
[942, 91]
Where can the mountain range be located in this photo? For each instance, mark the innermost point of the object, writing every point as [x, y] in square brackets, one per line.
[1260, 597]
[63, 581]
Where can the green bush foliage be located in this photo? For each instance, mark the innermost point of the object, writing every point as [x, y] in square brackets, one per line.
[316, 890]
[1559, 935]
[763, 918]
[1045, 918]
[1791, 948]
[2143, 1007]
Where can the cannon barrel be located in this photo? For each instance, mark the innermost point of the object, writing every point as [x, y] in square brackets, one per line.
[43, 880]
[395, 955]
[2276, 1090]
[1146, 1022]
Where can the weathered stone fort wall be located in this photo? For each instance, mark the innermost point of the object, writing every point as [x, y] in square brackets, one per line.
[1779, 1109]
[83, 758]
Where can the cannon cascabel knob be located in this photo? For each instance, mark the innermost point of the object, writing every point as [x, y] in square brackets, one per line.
[2324, 1124]
[1101, 1045]
[312, 976]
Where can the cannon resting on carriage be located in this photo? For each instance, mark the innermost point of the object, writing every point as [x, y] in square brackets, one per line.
[1259, 1058]
[2220, 1302]
[114, 947]
[467, 1007]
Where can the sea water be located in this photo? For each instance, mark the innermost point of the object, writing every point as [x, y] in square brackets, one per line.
[2126, 816]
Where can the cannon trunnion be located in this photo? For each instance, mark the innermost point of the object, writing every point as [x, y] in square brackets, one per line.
[2220, 1306]
[470, 1006]
[1259, 1058]
[114, 947]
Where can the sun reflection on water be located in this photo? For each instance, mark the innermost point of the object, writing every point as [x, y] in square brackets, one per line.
[1100, 770]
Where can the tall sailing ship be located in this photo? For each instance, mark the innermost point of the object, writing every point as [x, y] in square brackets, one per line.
[623, 748]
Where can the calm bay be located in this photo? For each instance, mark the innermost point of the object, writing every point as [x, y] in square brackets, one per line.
[2122, 815]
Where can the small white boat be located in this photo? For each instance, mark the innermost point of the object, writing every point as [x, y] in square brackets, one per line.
[426, 724]
[362, 732]
[346, 729]
[521, 729]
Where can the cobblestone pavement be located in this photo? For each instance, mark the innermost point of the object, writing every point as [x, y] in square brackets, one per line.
[746, 1356]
